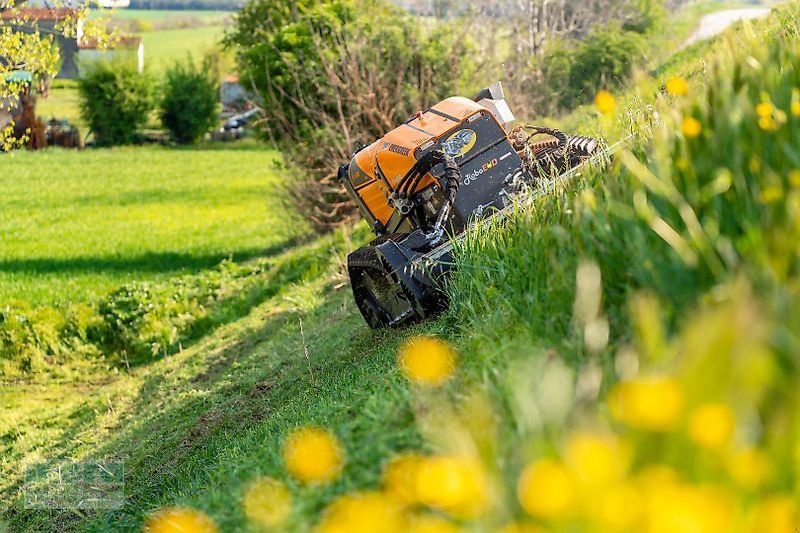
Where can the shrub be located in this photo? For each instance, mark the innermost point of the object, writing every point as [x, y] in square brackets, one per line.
[189, 100]
[115, 100]
[604, 59]
[336, 73]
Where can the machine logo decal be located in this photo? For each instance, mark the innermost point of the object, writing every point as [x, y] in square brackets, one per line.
[473, 176]
[459, 143]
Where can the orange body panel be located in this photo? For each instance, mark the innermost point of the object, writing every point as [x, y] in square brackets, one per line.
[395, 152]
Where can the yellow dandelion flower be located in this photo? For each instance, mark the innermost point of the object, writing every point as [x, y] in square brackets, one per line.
[749, 468]
[653, 404]
[765, 109]
[605, 102]
[312, 455]
[771, 194]
[711, 425]
[691, 127]
[794, 178]
[362, 512]
[617, 508]
[767, 123]
[595, 461]
[682, 507]
[522, 527]
[796, 109]
[546, 490]
[267, 502]
[400, 477]
[776, 514]
[427, 361]
[428, 523]
[180, 520]
[456, 485]
[677, 86]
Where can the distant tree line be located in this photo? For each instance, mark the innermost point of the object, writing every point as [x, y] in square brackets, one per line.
[220, 5]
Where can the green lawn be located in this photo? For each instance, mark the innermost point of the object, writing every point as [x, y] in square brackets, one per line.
[162, 48]
[74, 225]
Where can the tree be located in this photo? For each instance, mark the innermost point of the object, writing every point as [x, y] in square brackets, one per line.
[188, 107]
[334, 74]
[24, 46]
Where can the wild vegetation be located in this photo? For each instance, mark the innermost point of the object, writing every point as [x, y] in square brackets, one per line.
[621, 354]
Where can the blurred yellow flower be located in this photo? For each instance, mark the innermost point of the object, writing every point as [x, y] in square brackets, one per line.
[691, 127]
[427, 360]
[765, 109]
[617, 508]
[682, 507]
[767, 123]
[180, 520]
[777, 514]
[362, 512]
[522, 527]
[677, 86]
[711, 425]
[595, 461]
[796, 109]
[546, 490]
[456, 485]
[794, 178]
[653, 404]
[605, 102]
[267, 502]
[312, 455]
[400, 477]
[428, 523]
[749, 468]
[771, 194]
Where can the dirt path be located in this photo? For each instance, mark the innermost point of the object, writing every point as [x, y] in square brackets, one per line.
[716, 23]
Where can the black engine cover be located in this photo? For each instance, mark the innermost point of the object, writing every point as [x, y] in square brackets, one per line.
[487, 162]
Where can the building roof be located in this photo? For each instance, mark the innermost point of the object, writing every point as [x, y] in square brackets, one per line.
[38, 13]
[127, 41]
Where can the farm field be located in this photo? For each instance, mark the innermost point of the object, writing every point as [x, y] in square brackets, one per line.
[628, 343]
[162, 48]
[74, 225]
[160, 14]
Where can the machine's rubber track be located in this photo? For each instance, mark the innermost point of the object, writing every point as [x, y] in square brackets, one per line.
[378, 293]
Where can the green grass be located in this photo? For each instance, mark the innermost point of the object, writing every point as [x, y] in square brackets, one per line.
[713, 303]
[162, 48]
[76, 225]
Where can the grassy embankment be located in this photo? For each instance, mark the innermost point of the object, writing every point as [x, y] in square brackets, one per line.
[687, 257]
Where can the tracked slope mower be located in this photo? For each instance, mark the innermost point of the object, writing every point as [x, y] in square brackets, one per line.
[426, 182]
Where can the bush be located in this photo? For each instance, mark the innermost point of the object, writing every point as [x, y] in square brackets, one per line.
[189, 100]
[115, 100]
[605, 59]
[337, 73]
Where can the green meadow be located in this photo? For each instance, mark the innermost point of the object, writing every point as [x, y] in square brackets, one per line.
[75, 225]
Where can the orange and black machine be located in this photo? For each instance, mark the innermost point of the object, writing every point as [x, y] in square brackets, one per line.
[426, 182]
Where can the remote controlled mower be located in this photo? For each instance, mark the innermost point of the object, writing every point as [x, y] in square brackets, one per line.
[426, 182]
